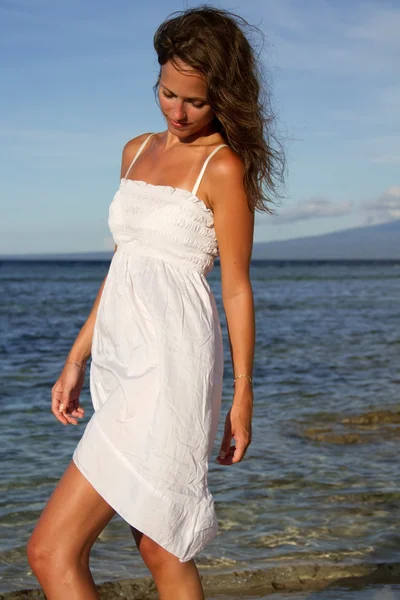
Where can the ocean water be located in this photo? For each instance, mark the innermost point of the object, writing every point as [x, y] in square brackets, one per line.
[320, 483]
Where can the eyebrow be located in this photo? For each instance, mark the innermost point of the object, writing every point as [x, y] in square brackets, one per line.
[194, 98]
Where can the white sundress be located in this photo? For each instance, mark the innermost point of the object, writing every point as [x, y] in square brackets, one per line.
[157, 367]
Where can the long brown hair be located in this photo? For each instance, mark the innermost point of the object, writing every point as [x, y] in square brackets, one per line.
[212, 41]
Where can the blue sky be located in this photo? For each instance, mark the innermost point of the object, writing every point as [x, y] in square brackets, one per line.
[77, 83]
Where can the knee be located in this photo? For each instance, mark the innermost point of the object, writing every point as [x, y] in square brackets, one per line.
[46, 554]
[154, 555]
[39, 553]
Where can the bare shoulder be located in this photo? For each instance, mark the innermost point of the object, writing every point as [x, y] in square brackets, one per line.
[225, 177]
[233, 221]
[130, 149]
[133, 145]
[226, 163]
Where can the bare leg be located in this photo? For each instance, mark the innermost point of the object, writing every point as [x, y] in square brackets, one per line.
[174, 580]
[59, 547]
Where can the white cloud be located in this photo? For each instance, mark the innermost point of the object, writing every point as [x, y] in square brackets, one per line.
[313, 208]
[384, 208]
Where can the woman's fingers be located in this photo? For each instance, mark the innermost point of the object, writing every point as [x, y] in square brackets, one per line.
[235, 453]
[240, 450]
[64, 405]
[76, 410]
[226, 440]
[228, 454]
[55, 404]
[67, 409]
[64, 402]
[227, 459]
[68, 416]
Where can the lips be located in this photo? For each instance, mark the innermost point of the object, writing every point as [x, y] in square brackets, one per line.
[178, 125]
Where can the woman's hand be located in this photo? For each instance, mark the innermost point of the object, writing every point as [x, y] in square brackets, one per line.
[65, 394]
[237, 426]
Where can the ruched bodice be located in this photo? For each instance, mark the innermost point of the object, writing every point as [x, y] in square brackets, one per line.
[163, 222]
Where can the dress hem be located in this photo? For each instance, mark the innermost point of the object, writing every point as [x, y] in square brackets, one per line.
[116, 484]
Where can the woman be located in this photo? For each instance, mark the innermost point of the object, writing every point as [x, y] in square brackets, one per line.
[187, 195]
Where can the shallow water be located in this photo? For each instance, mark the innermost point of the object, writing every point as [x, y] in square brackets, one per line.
[311, 487]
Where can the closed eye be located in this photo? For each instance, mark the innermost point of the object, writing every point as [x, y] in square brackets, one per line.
[192, 102]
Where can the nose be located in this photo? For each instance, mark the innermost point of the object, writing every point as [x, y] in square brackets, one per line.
[179, 113]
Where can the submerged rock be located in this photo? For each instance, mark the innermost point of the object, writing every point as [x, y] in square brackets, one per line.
[374, 417]
[371, 426]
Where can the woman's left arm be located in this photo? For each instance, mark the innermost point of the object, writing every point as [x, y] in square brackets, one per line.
[234, 228]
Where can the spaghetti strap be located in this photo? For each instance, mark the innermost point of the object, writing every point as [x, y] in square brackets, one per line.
[137, 154]
[196, 185]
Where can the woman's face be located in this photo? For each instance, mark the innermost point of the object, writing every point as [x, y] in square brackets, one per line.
[183, 100]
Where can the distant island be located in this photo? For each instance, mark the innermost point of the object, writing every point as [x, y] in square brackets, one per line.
[374, 242]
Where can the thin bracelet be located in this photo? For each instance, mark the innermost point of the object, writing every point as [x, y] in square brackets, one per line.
[81, 365]
[242, 375]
